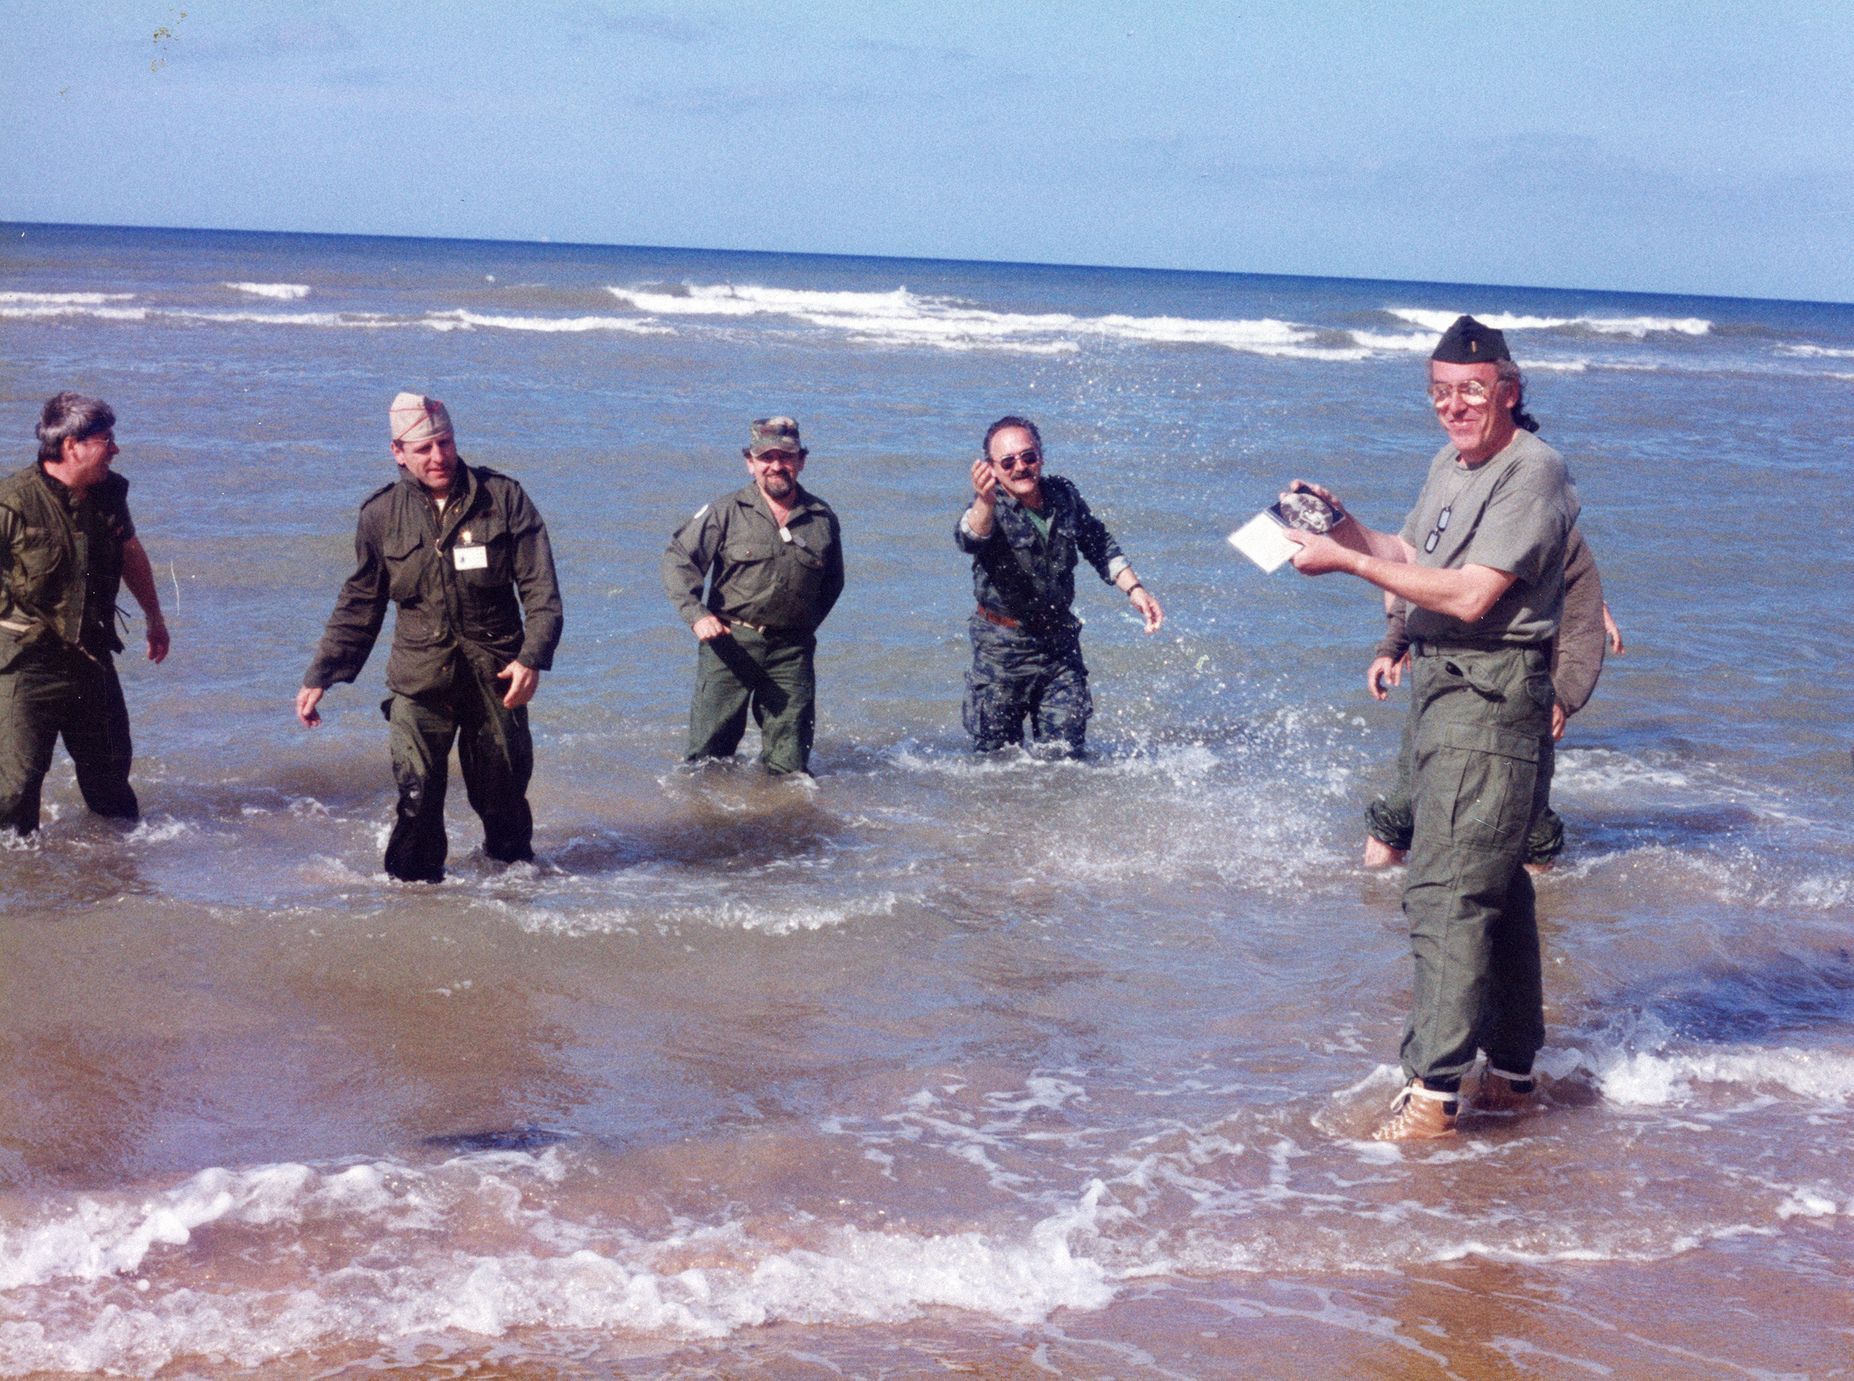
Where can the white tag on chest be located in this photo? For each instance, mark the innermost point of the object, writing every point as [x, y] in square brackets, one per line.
[470, 558]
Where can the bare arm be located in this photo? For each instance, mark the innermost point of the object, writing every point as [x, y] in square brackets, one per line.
[138, 575]
[1465, 594]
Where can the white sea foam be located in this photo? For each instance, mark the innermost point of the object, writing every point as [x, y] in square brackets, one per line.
[1659, 1078]
[460, 319]
[902, 317]
[29, 311]
[1815, 352]
[281, 292]
[1637, 327]
[31, 299]
[388, 1250]
[1415, 342]
[159, 829]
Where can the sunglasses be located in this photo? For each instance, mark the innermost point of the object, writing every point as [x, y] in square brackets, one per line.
[1023, 460]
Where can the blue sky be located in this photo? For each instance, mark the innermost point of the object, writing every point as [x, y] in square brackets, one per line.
[1696, 147]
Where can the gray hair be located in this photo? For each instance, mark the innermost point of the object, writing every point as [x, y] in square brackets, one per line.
[72, 416]
[1508, 373]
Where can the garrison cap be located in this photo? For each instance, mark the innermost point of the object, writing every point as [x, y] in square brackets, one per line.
[774, 434]
[415, 417]
[1469, 342]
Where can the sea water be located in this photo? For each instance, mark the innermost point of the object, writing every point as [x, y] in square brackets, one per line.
[933, 1062]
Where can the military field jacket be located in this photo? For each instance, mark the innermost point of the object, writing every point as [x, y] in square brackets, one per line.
[60, 564]
[785, 579]
[1019, 573]
[463, 582]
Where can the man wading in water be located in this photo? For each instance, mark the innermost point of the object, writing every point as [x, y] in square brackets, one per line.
[1480, 560]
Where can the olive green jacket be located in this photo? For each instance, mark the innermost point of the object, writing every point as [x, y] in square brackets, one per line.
[462, 581]
[754, 572]
[60, 563]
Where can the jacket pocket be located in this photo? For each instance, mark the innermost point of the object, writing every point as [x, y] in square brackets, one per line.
[406, 561]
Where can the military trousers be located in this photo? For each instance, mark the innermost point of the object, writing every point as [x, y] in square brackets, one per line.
[51, 693]
[1391, 818]
[768, 673]
[1018, 678]
[496, 755]
[1479, 776]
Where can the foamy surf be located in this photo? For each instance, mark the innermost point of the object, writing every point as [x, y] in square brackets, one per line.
[281, 292]
[1637, 327]
[249, 1266]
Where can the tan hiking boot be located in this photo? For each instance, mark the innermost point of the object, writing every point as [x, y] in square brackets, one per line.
[1501, 1092]
[1420, 1114]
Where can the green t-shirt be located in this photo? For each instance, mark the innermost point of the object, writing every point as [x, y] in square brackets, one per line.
[1513, 513]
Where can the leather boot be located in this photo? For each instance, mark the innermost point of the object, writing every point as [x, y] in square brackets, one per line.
[1420, 1114]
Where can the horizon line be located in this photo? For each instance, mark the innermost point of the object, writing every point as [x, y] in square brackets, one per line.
[913, 259]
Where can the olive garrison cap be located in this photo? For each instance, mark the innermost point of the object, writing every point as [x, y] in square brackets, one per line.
[415, 417]
[774, 434]
[1469, 342]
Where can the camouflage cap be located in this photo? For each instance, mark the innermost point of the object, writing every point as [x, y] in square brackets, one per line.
[1470, 342]
[774, 434]
[415, 417]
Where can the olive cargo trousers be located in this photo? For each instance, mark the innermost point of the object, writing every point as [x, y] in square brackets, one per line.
[769, 673]
[497, 758]
[54, 691]
[1480, 778]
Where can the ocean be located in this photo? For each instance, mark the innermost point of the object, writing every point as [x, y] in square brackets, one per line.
[932, 1063]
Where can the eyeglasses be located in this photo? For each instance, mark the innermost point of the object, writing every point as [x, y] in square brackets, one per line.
[1435, 533]
[1473, 394]
[1022, 460]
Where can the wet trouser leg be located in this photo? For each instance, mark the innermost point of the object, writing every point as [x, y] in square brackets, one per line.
[96, 735]
[785, 698]
[1062, 705]
[30, 706]
[420, 731]
[46, 694]
[1478, 783]
[724, 680]
[1391, 818]
[771, 675]
[496, 753]
[1016, 677]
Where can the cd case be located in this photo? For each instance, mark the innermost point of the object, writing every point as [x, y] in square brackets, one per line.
[1261, 539]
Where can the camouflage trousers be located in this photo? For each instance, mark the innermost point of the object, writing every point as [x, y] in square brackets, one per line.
[50, 693]
[769, 674]
[497, 758]
[1480, 776]
[1391, 818]
[1018, 678]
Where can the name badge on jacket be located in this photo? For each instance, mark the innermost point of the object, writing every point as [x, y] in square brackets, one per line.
[470, 558]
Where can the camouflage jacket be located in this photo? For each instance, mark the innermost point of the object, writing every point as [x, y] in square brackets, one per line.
[60, 563]
[756, 572]
[1019, 573]
[462, 580]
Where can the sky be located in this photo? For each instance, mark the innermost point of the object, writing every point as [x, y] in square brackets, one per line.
[1692, 147]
